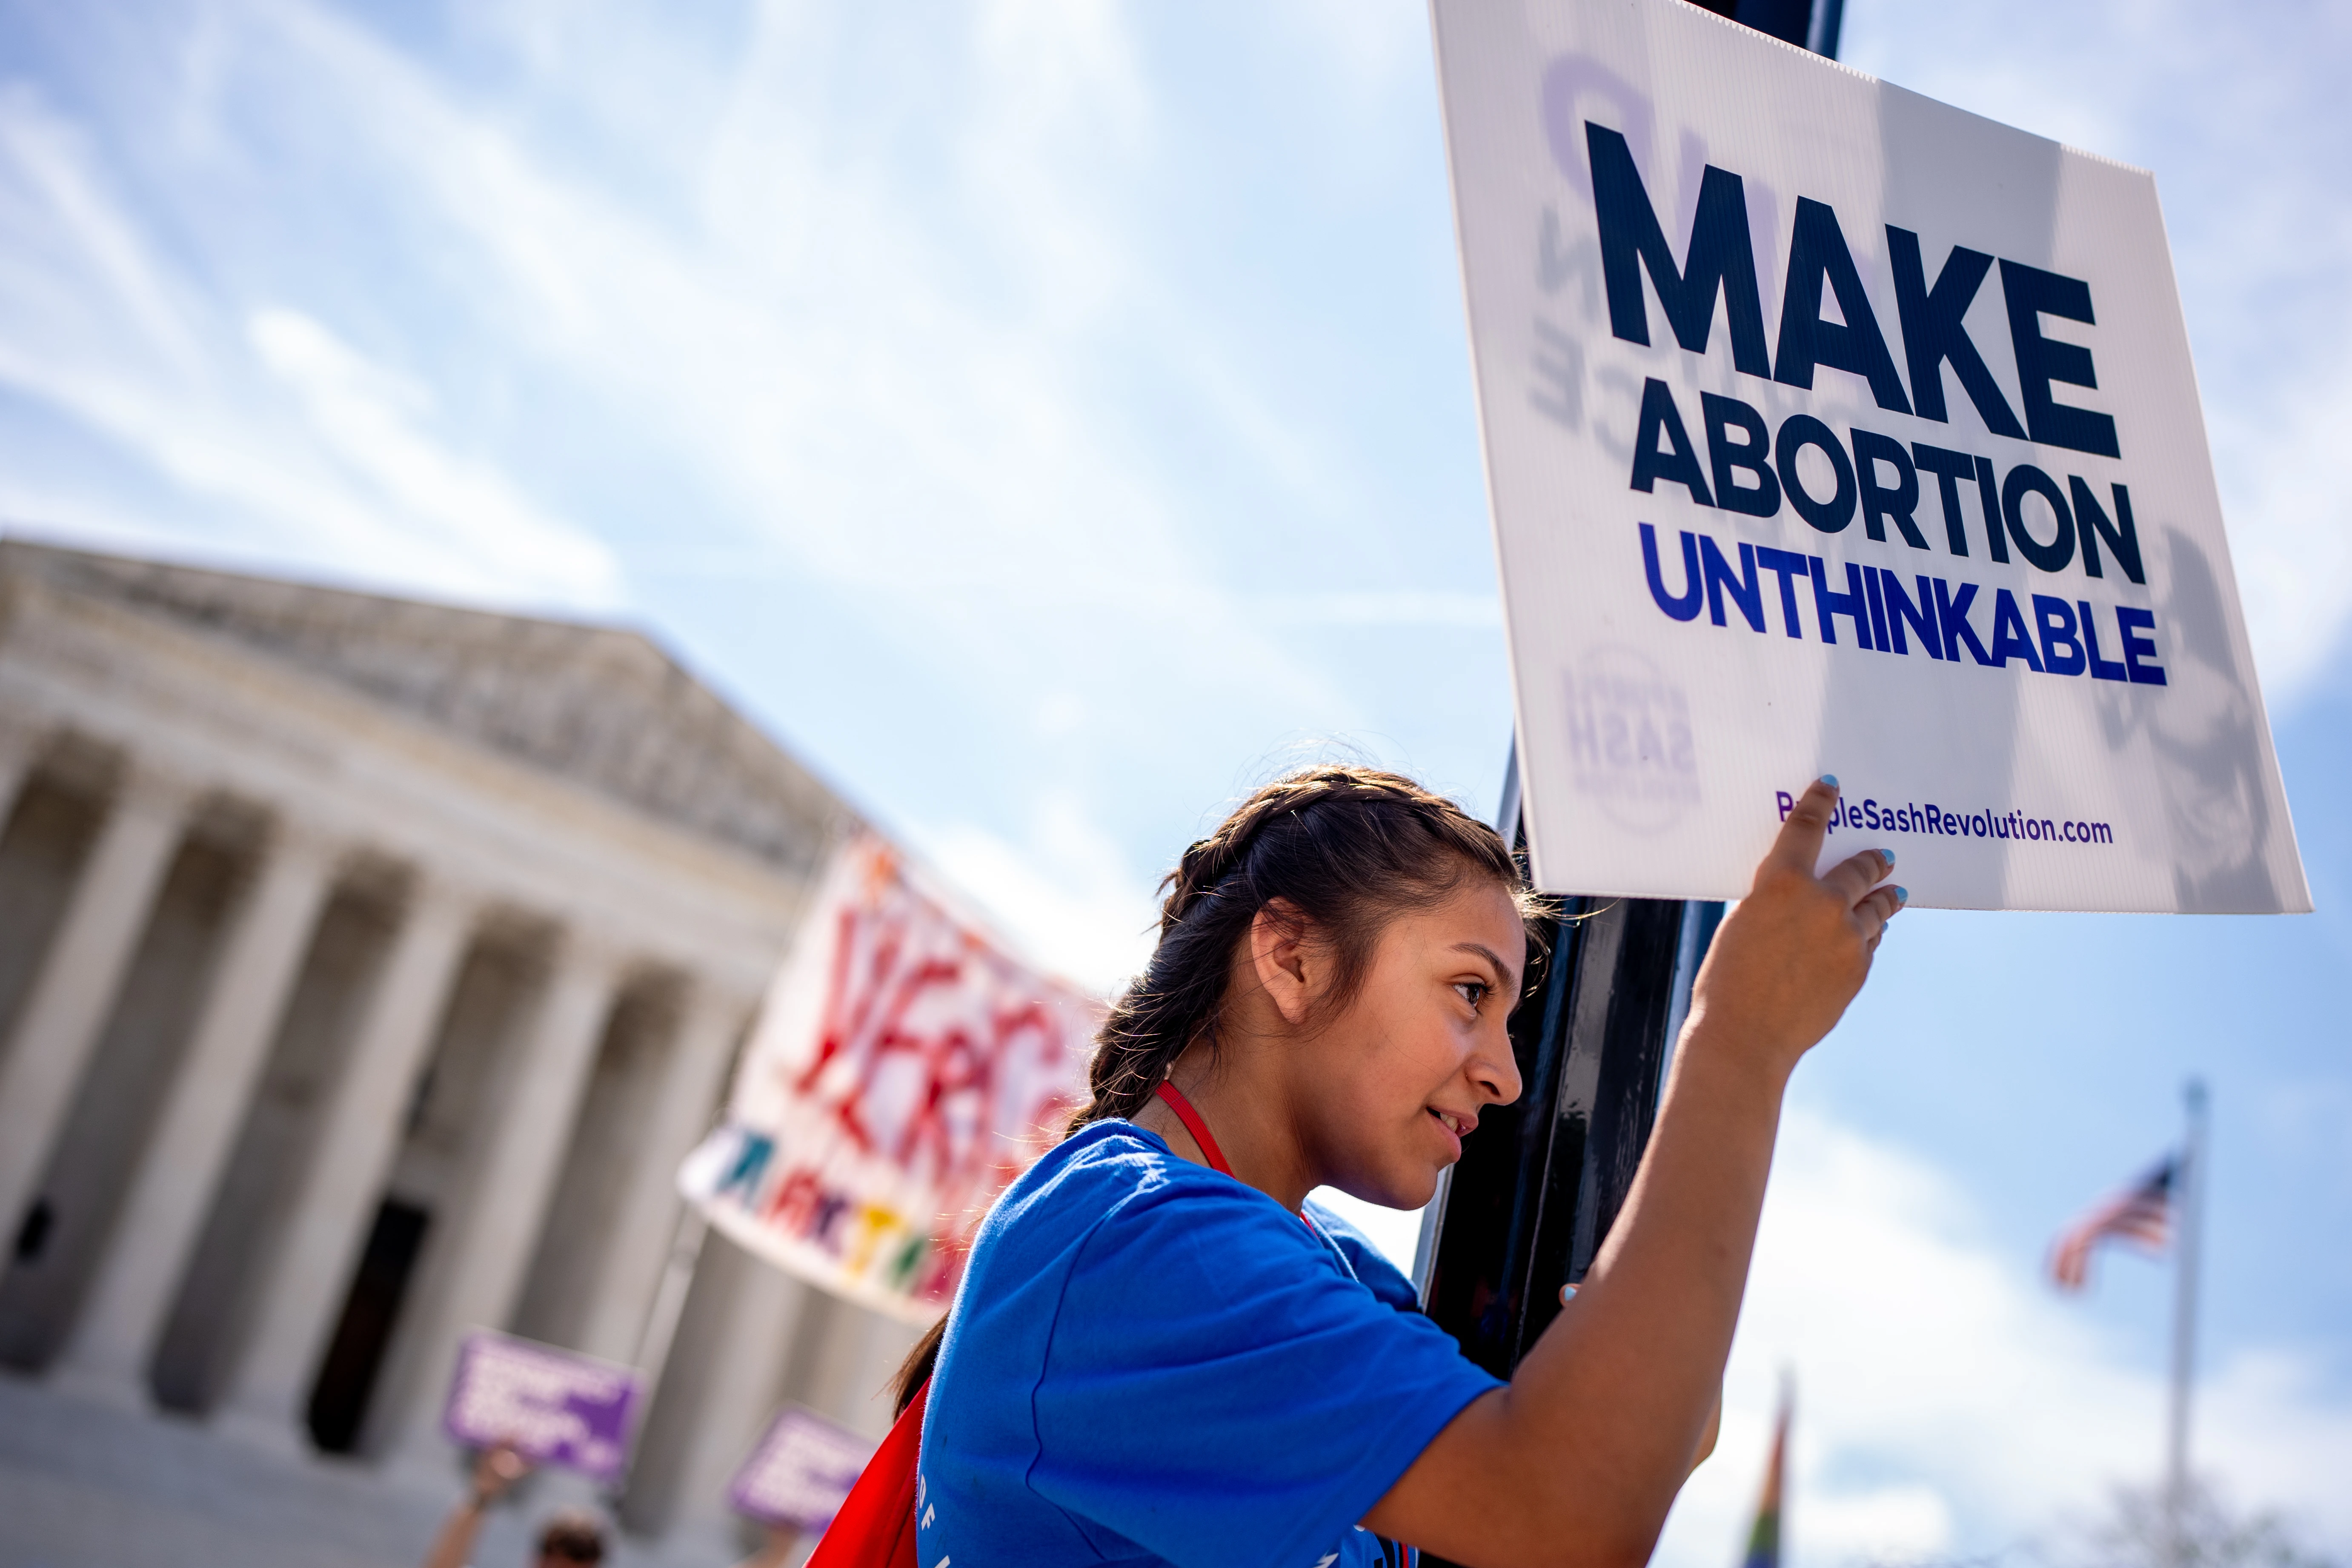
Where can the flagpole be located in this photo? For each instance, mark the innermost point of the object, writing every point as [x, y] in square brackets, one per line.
[2184, 1321]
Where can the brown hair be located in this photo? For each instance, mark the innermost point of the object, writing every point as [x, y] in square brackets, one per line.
[572, 1534]
[1346, 849]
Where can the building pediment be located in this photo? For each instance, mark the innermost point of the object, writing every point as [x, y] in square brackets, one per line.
[601, 706]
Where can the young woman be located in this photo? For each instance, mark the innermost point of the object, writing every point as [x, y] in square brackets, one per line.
[1161, 1352]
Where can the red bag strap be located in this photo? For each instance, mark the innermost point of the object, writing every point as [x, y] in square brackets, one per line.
[875, 1526]
[1199, 1128]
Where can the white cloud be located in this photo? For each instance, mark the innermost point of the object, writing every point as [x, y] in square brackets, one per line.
[1947, 1402]
[374, 424]
[269, 419]
[1064, 892]
[869, 318]
[1388, 607]
[2245, 130]
[2291, 525]
[853, 291]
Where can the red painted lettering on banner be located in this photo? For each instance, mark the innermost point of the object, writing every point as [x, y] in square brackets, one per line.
[928, 1045]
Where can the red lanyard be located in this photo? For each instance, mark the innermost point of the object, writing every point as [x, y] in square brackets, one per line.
[1199, 1128]
[1174, 1099]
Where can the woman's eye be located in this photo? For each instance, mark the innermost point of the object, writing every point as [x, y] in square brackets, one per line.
[1472, 991]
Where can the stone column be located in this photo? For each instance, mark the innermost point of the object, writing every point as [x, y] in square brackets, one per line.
[506, 1197]
[638, 1245]
[358, 1134]
[20, 744]
[729, 1374]
[853, 1366]
[164, 1209]
[70, 1000]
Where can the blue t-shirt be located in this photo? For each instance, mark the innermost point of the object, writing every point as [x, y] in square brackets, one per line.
[1151, 1362]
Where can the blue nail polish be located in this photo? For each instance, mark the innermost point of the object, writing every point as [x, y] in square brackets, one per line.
[1887, 856]
[1902, 895]
[1830, 780]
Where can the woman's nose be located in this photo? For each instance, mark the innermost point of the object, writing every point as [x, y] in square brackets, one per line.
[1495, 1068]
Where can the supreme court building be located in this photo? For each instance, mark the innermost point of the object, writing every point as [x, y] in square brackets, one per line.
[366, 968]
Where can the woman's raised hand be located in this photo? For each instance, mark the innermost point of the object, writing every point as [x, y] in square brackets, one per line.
[1788, 959]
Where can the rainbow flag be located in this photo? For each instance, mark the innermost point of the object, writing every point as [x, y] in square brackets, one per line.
[1764, 1539]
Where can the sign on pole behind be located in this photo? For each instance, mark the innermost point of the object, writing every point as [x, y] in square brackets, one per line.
[1831, 429]
[799, 1472]
[905, 1069]
[554, 1406]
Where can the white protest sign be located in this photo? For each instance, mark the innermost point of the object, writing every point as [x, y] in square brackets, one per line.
[1831, 429]
[905, 1069]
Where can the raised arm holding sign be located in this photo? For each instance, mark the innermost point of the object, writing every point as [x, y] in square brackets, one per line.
[1596, 1431]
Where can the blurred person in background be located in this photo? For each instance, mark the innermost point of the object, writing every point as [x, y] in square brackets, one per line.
[774, 1549]
[571, 1536]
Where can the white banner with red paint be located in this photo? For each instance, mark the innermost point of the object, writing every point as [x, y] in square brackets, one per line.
[905, 1070]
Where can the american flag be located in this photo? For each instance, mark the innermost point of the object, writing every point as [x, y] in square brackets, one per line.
[2141, 1214]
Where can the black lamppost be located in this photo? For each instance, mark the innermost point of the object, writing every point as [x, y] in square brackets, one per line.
[1538, 1182]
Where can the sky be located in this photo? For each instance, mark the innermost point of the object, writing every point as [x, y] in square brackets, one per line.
[1049, 419]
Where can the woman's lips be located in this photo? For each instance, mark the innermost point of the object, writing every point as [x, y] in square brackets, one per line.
[1455, 1125]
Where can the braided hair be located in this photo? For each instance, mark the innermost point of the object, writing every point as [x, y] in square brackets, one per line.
[1345, 849]
[1340, 849]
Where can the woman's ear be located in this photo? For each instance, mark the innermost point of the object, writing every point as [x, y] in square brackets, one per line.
[1288, 968]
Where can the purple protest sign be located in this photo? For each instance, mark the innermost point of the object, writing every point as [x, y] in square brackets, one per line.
[800, 1470]
[555, 1407]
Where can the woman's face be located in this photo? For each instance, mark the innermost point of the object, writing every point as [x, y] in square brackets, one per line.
[1390, 1086]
